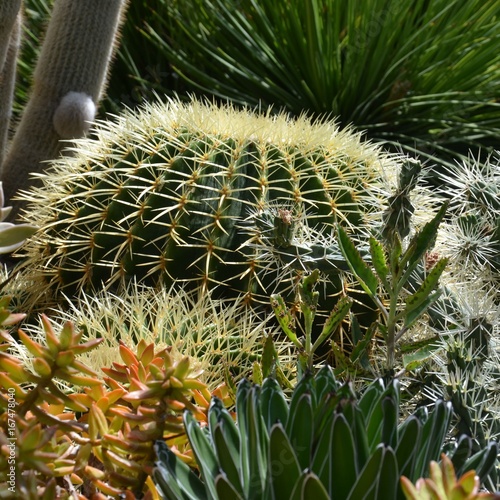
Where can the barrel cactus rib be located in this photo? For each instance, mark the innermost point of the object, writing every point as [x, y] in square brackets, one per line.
[161, 196]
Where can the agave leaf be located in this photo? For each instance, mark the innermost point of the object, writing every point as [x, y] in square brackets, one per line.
[367, 481]
[225, 489]
[253, 439]
[283, 462]
[299, 428]
[483, 461]
[358, 266]
[174, 478]
[203, 451]
[406, 449]
[461, 453]
[227, 451]
[325, 383]
[343, 460]
[320, 463]
[388, 481]
[307, 487]
[273, 405]
[432, 437]
[370, 396]
[390, 409]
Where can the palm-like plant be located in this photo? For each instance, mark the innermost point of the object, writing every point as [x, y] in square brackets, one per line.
[379, 64]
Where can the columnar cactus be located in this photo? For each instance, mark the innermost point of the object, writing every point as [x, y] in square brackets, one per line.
[204, 195]
[10, 20]
[68, 82]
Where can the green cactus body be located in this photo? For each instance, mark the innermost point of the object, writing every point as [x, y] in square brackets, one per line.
[165, 195]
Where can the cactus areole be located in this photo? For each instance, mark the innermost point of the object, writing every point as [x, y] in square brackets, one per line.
[200, 194]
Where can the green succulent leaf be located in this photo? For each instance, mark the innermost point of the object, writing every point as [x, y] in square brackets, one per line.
[342, 307]
[283, 462]
[483, 461]
[390, 409]
[174, 478]
[379, 260]
[273, 405]
[203, 451]
[367, 482]
[421, 243]
[433, 435]
[406, 449]
[422, 299]
[285, 318]
[225, 489]
[343, 459]
[299, 428]
[358, 266]
[309, 486]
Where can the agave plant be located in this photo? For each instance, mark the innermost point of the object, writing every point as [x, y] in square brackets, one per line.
[325, 443]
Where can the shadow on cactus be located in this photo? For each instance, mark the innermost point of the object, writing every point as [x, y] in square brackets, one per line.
[177, 192]
[326, 443]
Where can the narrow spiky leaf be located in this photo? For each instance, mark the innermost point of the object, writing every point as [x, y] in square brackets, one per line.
[358, 266]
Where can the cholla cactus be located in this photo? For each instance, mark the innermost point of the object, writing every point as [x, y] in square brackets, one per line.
[471, 238]
[160, 196]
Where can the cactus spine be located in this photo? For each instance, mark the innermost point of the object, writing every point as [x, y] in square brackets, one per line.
[73, 62]
[163, 196]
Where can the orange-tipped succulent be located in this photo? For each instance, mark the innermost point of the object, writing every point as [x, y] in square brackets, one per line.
[67, 432]
[444, 485]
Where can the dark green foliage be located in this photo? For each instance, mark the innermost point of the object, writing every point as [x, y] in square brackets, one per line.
[422, 73]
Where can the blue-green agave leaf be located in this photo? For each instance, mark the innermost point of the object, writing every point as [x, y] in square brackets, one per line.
[203, 451]
[273, 405]
[283, 463]
[299, 429]
[367, 481]
[174, 479]
[406, 449]
[308, 487]
[343, 460]
[225, 489]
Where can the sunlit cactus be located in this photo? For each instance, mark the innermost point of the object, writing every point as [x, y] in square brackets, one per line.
[175, 192]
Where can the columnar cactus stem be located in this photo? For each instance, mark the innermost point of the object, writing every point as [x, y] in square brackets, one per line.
[10, 20]
[68, 82]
